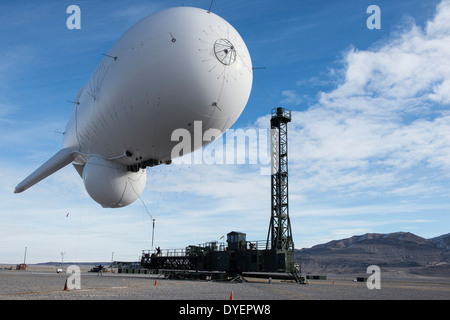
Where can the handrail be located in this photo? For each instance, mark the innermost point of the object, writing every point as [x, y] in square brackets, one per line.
[209, 246]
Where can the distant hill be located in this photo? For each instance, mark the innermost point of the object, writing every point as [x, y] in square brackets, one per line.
[442, 242]
[54, 263]
[400, 251]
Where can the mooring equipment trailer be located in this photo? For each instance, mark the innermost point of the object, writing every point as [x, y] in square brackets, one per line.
[239, 256]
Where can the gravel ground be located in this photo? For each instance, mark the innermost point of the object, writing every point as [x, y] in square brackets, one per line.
[26, 285]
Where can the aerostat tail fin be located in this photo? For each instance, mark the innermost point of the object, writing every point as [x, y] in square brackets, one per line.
[61, 159]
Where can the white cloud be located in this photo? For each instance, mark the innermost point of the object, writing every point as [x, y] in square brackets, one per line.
[384, 128]
[440, 24]
[291, 98]
[405, 72]
[441, 92]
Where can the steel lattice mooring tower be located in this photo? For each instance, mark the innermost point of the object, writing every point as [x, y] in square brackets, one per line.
[280, 244]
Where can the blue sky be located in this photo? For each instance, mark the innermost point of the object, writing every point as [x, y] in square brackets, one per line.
[369, 143]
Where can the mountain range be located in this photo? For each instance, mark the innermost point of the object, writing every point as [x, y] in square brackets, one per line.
[398, 252]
